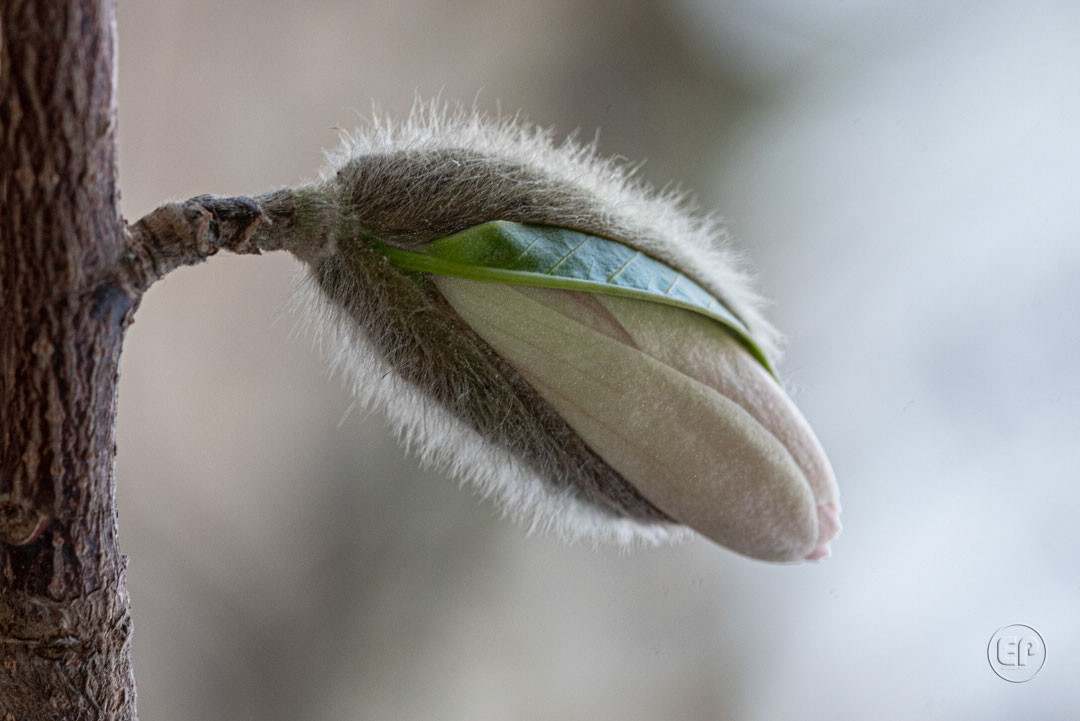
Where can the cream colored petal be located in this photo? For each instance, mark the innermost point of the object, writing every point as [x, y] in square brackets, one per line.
[700, 348]
[703, 350]
[693, 452]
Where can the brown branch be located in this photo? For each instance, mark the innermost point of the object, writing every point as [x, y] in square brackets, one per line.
[190, 231]
[65, 628]
[186, 233]
[71, 276]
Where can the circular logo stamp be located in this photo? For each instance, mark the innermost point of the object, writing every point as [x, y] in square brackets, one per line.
[1016, 653]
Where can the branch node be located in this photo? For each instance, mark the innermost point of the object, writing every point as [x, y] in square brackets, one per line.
[20, 525]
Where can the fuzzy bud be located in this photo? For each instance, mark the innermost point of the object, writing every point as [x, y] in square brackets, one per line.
[595, 416]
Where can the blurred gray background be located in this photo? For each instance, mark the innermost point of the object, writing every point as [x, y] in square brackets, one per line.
[904, 177]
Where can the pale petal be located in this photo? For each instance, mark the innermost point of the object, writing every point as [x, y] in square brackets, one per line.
[700, 348]
[703, 350]
[694, 453]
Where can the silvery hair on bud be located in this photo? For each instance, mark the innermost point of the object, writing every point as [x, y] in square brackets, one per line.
[404, 350]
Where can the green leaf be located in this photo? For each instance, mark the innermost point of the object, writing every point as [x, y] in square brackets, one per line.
[549, 257]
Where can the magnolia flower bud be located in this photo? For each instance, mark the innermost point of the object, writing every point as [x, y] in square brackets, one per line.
[596, 416]
[674, 404]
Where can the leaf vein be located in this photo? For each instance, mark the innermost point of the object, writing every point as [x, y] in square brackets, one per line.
[569, 253]
[622, 267]
[525, 252]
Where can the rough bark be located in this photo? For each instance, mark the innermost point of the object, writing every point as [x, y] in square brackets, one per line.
[65, 626]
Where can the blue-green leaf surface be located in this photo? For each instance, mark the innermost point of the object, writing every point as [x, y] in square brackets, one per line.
[549, 257]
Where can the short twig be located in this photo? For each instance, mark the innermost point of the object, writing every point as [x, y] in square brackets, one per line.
[189, 232]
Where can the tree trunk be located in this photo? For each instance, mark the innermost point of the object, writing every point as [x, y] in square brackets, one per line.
[65, 625]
